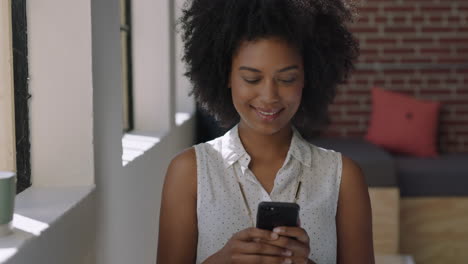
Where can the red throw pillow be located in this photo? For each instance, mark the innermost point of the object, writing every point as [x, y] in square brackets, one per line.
[401, 123]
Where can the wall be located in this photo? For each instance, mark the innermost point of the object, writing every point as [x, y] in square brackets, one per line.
[7, 121]
[128, 198]
[412, 46]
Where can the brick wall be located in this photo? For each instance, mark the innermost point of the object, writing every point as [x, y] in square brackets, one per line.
[418, 47]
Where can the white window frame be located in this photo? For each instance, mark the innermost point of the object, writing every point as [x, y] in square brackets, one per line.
[61, 131]
[156, 60]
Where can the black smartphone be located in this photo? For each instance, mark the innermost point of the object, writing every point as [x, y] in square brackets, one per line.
[274, 214]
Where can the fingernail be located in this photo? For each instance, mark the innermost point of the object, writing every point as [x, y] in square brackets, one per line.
[287, 253]
[287, 261]
[274, 235]
[256, 239]
[277, 230]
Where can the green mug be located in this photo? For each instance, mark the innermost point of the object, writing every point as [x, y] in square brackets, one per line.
[7, 201]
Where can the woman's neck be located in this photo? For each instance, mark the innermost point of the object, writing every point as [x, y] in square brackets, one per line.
[265, 147]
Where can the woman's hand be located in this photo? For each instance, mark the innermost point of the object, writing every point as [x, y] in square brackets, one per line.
[253, 245]
[294, 239]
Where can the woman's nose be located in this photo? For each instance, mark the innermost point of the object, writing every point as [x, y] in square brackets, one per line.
[269, 91]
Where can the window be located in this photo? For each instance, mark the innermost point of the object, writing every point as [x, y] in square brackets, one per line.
[126, 47]
[20, 69]
[14, 131]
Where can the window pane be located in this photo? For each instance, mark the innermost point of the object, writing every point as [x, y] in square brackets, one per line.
[126, 64]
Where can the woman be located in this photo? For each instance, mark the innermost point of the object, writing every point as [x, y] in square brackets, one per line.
[270, 68]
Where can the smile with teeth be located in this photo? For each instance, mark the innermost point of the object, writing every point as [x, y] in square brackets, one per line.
[268, 113]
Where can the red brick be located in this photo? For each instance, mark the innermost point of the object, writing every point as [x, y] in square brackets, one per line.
[435, 71]
[453, 40]
[452, 60]
[398, 51]
[455, 122]
[462, 8]
[381, 41]
[454, 19]
[435, 92]
[380, 19]
[416, 19]
[417, 40]
[378, 59]
[397, 82]
[455, 102]
[400, 19]
[399, 9]
[399, 71]
[435, 19]
[438, 29]
[431, 51]
[416, 60]
[433, 81]
[380, 82]
[451, 81]
[400, 30]
[436, 8]
[461, 112]
[415, 81]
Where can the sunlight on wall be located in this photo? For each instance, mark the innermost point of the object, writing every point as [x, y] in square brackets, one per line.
[134, 146]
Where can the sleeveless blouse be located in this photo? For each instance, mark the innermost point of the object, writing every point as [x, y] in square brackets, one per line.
[221, 211]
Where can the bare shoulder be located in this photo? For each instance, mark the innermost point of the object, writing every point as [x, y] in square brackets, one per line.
[182, 171]
[351, 169]
[354, 217]
[353, 187]
[185, 160]
[178, 214]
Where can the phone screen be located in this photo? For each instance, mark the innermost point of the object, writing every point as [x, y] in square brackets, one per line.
[274, 214]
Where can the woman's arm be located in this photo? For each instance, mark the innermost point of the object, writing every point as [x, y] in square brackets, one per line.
[354, 217]
[178, 231]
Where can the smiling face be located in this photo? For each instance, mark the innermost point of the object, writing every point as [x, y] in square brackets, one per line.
[267, 78]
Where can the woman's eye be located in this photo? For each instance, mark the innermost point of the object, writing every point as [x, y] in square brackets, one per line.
[252, 81]
[291, 80]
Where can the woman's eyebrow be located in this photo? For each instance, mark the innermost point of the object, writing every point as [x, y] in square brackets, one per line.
[248, 69]
[245, 68]
[293, 67]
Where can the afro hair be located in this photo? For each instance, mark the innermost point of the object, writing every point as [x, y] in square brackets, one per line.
[212, 31]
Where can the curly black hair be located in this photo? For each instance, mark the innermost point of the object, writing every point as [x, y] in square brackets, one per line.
[212, 31]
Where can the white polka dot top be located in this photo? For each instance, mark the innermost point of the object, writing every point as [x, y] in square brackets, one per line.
[221, 210]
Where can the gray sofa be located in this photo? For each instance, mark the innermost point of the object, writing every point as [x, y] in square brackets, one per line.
[446, 175]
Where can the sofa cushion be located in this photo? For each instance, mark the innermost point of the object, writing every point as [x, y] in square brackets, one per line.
[376, 164]
[403, 124]
[446, 175]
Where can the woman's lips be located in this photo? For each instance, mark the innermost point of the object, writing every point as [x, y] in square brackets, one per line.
[268, 114]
